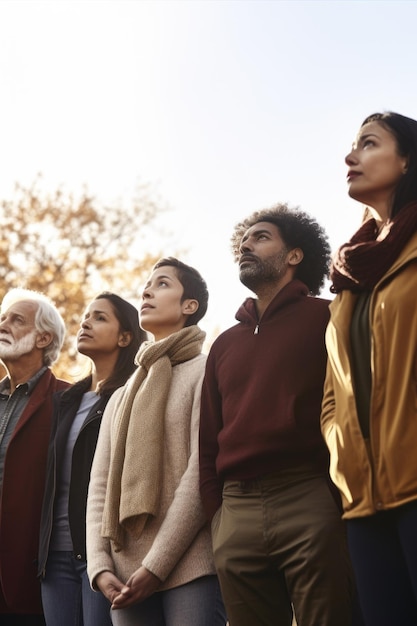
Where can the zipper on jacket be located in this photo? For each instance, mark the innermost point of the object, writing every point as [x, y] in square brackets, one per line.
[256, 331]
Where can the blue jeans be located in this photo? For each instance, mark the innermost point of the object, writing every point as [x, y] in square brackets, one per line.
[67, 597]
[197, 603]
[383, 549]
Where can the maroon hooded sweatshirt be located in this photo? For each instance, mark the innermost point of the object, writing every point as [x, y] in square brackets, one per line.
[262, 393]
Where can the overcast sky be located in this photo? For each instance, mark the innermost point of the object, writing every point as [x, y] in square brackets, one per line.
[226, 106]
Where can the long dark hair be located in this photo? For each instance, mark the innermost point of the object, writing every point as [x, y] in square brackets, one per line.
[404, 130]
[128, 317]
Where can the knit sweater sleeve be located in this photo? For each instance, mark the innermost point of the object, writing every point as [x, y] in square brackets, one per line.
[184, 517]
[99, 557]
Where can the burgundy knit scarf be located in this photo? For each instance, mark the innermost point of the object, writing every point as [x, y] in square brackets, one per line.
[359, 264]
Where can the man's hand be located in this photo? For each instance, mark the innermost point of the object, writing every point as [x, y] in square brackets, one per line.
[140, 586]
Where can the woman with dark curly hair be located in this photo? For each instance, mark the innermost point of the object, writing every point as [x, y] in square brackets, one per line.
[369, 416]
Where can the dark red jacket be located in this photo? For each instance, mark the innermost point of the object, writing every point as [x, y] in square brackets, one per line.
[21, 500]
[262, 393]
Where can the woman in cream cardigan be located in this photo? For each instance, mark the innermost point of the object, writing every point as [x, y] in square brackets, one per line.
[148, 542]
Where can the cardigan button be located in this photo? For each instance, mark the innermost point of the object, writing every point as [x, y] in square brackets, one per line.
[79, 557]
[379, 505]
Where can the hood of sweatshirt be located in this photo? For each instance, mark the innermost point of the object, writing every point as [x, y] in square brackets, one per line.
[248, 314]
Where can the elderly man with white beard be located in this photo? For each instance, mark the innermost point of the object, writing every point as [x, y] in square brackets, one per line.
[31, 336]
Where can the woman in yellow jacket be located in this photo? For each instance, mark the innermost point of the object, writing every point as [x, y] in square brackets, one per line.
[369, 416]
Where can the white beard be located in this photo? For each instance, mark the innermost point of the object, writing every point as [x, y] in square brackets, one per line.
[19, 347]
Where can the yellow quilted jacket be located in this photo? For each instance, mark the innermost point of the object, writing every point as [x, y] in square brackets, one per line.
[382, 473]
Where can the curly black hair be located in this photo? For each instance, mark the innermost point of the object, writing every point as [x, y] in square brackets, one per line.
[298, 230]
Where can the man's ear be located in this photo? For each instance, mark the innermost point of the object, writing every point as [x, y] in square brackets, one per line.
[295, 256]
[190, 306]
[124, 339]
[43, 340]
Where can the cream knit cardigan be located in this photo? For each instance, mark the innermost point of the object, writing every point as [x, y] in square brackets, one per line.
[176, 544]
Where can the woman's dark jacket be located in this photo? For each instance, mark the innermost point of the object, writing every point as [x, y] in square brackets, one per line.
[65, 409]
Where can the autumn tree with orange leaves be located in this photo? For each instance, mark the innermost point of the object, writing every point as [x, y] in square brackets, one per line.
[71, 249]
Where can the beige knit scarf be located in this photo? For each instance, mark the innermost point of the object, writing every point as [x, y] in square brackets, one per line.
[134, 480]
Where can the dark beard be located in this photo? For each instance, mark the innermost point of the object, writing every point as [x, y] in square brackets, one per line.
[259, 273]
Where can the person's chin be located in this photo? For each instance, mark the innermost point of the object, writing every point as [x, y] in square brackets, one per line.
[248, 280]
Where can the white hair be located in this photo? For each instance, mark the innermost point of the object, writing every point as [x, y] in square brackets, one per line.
[47, 319]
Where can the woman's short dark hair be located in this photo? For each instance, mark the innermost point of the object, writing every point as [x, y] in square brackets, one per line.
[194, 285]
[298, 230]
[128, 317]
[404, 130]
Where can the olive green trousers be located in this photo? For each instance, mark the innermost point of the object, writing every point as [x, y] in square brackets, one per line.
[279, 546]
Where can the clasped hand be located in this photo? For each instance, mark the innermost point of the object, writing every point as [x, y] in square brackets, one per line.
[140, 586]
